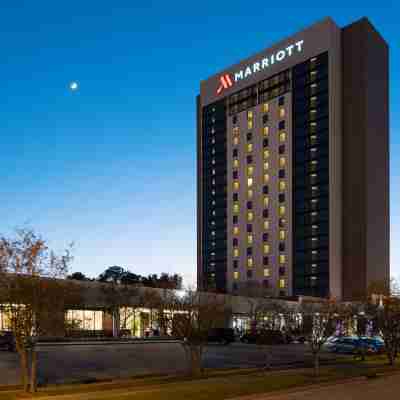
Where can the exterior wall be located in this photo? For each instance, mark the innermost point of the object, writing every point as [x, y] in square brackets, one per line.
[365, 159]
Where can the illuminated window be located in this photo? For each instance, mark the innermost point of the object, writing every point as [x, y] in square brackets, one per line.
[236, 208]
[250, 194]
[249, 238]
[266, 201]
[266, 130]
[236, 140]
[235, 163]
[282, 283]
[266, 225]
[235, 252]
[249, 115]
[250, 216]
[282, 235]
[87, 320]
[250, 170]
[282, 136]
[265, 107]
[249, 147]
[282, 210]
[236, 275]
[266, 178]
[235, 185]
[236, 230]
[249, 182]
[282, 112]
[266, 153]
[250, 124]
[266, 248]
[282, 161]
[266, 165]
[236, 130]
[250, 262]
[267, 272]
[282, 259]
[282, 185]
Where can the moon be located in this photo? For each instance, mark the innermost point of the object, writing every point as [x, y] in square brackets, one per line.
[73, 86]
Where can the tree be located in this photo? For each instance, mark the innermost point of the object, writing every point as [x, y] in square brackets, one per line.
[78, 276]
[30, 296]
[193, 315]
[319, 323]
[112, 274]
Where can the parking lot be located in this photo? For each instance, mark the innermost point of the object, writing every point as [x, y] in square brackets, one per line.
[69, 363]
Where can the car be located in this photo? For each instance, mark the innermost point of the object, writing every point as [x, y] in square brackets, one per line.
[7, 340]
[353, 345]
[269, 337]
[221, 335]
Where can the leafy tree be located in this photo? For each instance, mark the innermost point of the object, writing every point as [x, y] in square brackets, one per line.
[112, 274]
[78, 276]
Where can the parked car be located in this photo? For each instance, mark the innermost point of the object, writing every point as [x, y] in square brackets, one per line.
[221, 335]
[7, 340]
[270, 337]
[353, 345]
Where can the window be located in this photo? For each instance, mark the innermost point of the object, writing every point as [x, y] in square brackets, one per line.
[250, 262]
[265, 143]
[266, 225]
[234, 119]
[266, 165]
[282, 185]
[282, 210]
[282, 235]
[281, 101]
[266, 153]
[266, 201]
[281, 173]
[235, 131]
[249, 238]
[265, 213]
[282, 136]
[235, 197]
[235, 264]
[265, 237]
[235, 219]
[282, 259]
[235, 174]
[265, 189]
[236, 208]
[250, 216]
[236, 140]
[249, 182]
[249, 205]
[282, 112]
[236, 252]
[249, 159]
[235, 153]
[265, 118]
[249, 228]
[250, 170]
[281, 125]
[249, 273]
[249, 136]
[87, 320]
[236, 230]
[250, 194]
[282, 283]
[249, 147]
[236, 185]
[282, 246]
[265, 260]
[249, 115]
[267, 272]
[235, 242]
[266, 130]
[236, 275]
[249, 251]
[235, 163]
[281, 197]
[265, 107]
[282, 162]
[281, 149]
[266, 178]
[266, 248]
[281, 271]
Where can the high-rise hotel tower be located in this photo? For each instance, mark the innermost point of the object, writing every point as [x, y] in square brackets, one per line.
[293, 167]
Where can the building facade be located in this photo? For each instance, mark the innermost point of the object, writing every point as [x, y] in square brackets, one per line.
[293, 167]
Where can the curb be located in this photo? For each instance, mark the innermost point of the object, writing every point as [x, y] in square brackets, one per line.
[102, 343]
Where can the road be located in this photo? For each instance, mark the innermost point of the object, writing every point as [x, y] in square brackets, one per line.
[72, 363]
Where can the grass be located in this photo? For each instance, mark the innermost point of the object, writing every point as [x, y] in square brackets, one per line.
[219, 385]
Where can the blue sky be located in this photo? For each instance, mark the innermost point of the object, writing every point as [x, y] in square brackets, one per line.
[112, 166]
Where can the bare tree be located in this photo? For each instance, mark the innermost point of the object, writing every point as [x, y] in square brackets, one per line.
[193, 314]
[30, 296]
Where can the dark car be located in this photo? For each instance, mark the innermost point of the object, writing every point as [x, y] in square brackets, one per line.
[221, 335]
[268, 337]
[7, 340]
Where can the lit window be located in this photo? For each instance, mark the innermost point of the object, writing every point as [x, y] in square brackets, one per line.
[250, 170]
[249, 239]
[266, 165]
[250, 124]
[266, 201]
[282, 161]
[236, 130]
[235, 252]
[249, 115]
[250, 216]
[265, 107]
[236, 208]
[267, 272]
[266, 248]
[266, 130]
[250, 193]
[250, 262]
[236, 140]
[266, 153]
[282, 210]
[236, 230]
[282, 235]
[266, 225]
[282, 112]
[236, 185]
[266, 178]
[236, 275]
[282, 283]
[235, 163]
[282, 185]
[282, 136]
[249, 182]
[282, 259]
[249, 147]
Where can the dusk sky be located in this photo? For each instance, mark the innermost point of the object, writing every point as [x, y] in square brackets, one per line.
[111, 166]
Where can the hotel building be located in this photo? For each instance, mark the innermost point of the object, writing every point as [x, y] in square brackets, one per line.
[293, 167]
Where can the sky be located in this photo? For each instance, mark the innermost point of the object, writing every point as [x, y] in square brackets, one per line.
[112, 165]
